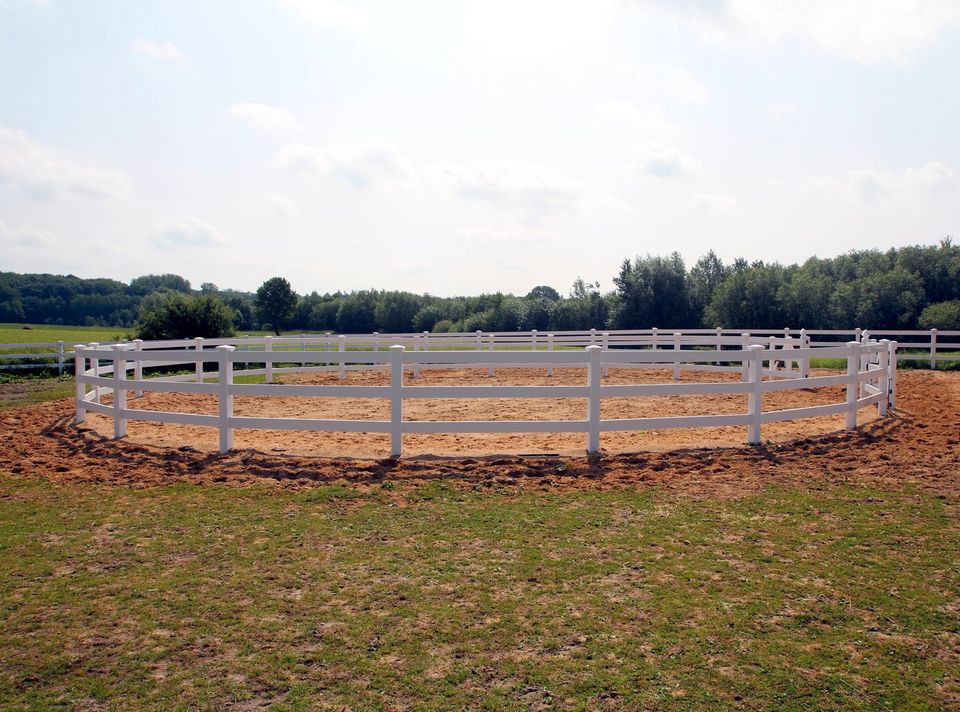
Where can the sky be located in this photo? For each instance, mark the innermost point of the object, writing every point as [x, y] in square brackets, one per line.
[467, 147]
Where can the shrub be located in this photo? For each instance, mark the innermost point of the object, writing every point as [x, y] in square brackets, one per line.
[942, 315]
[182, 317]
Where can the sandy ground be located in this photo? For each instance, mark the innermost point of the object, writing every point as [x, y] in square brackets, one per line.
[363, 445]
[918, 446]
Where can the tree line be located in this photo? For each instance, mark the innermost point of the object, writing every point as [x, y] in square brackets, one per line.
[909, 287]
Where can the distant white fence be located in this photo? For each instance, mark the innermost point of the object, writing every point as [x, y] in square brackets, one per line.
[869, 379]
[930, 345]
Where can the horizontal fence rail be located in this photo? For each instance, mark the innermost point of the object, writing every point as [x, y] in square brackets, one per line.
[764, 363]
[931, 346]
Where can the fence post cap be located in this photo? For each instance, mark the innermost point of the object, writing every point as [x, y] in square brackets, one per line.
[226, 347]
[594, 348]
[342, 336]
[755, 347]
[198, 338]
[398, 347]
[933, 329]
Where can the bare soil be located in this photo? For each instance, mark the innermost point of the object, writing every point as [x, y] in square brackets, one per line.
[919, 443]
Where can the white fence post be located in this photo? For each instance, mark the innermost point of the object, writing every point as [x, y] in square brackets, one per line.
[225, 410]
[606, 347]
[804, 360]
[593, 399]
[376, 341]
[533, 339]
[79, 369]
[593, 336]
[342, 348]
[550, 348]
[754, 362]
[268, 364]
[676, 351]
[426, 341]
[396, 400]
[416, 349]
[719, 343]
[95, 367]
[773, 350]
[490, 348]
[198, 345]
[856, 334]
[138, 367]
[853, 364]
[933, 348]
[653, 338]
[745, 366]
[119, 391]
[884, 384]
[479, 340]
[59, 358]
[893, 374]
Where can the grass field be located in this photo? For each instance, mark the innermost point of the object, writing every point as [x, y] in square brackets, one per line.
[192, 597]
[69, 335]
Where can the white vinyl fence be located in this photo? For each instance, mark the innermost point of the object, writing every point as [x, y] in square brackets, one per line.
[930, 346]
[784, 361]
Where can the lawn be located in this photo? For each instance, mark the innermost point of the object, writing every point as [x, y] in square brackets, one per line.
[69, 335]
[445, 597]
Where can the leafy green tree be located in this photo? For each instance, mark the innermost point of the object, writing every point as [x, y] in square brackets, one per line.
[705, 276]
[152, 282]
[358, 313]
[942, 315]
[178, 316]
[276, 303]
[395, 311]
[652, 291]
[544, 292]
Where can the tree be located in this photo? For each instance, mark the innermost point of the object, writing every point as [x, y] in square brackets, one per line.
[544, 292]
[275, 303]
[182, 317]
[942, 315]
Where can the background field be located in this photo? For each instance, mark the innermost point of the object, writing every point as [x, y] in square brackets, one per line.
[442, 597]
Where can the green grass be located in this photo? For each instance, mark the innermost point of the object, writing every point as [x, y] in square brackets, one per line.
[69, 335]
[192, 597]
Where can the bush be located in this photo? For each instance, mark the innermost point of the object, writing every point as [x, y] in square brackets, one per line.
[442, 326]
[942, 315]
[181, 317]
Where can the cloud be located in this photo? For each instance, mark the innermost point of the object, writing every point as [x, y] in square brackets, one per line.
[277, 206]
[675, 82]
[27, 238]
[330, 14]
[501, 235]
[153, 51]
[517, 185]
[650, 123]
[712, 203]
[45, 174]
[363, 167]
[780, 110]
[187, 232]
[264, 117]
[871, 186]
[864, 31]
[663, 161]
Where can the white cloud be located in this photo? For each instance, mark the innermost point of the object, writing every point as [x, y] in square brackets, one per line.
[869, 186]
[264, 117]
[864, 31]
[363, 167]
[677, 83]
[155, 51]
[331, 14]
[662, 161]
[187, 232]
[517, 185]
[501, 235]
[712, 203]
[780, 110]
[43, 173]
[650, 123]
[277, 206]
[27, 238]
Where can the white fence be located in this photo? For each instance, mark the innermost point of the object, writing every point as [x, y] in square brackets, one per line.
[930, 346]
[869, 379]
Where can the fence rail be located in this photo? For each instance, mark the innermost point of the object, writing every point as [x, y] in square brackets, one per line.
[931, 346]
[784, 361]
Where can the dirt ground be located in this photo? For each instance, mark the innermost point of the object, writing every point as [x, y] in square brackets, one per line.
[919, 444]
